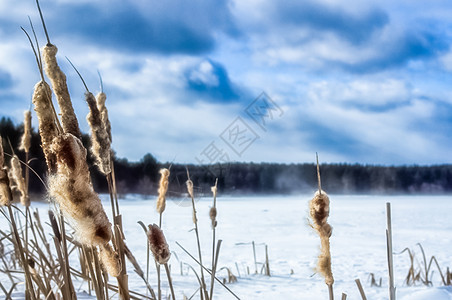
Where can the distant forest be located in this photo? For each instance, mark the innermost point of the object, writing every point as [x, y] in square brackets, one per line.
[246, 178]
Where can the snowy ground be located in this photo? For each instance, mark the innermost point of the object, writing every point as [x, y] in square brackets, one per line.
[357, 244]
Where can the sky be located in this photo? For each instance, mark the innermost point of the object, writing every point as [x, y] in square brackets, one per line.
[265, 81]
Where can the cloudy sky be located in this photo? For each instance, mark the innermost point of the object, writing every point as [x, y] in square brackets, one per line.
[256, 80]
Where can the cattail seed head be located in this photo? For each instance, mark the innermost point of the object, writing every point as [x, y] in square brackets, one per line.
[99, 137]
[213, 216]
[58, 80]
[26, 137]
[159, 247]
[6, 195]
[190, 188]
[18, 179]
[319, 209]
[71, 187]
[100, 99]
[110, 259]
[42, 100]
[163, 188]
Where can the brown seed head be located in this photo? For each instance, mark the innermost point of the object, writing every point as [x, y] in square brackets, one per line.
[72, 188]
[100, 99]
[158, 244]
[58, 80]
[110, 259]
[190, 188]
[319, 209]
[213, 216]
[99, 137]
[26, 137]
[47, 127]
[16, 175]
[6, 195]
[163, 188]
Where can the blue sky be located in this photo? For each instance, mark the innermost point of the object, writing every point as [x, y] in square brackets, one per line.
[356, 81]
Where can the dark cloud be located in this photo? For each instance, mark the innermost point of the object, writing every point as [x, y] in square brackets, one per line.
[320, 17]
[211, 80]
[411, 45]
[163, 27]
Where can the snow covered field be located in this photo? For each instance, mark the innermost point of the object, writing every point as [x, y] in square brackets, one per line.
[357, 244]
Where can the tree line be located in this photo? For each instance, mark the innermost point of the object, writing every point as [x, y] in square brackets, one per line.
[241, 178]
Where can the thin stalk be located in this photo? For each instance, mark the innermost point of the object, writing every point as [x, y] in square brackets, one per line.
[195, 219]
[207, 270]
[360, 288]
[330, 291]
[389, 252]
[22, 256]
[170, 282]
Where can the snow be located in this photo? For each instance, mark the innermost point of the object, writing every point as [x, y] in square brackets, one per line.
[358, 243]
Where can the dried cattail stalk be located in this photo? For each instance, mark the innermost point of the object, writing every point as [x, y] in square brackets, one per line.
[110, 260]
[159, 247]
[319, 211]
[6, 195]
[99, 137]
[100, 99]
[25, 143]
[72, 188]
[163, 188]
[16, 176]
[47, 127]
[58, 80]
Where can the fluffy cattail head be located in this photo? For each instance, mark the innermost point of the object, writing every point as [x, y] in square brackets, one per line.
[42, 100]
[163, 188]
[58, 80]
[99, 137]
[213, 216]
[25, 143]
[319, 210]
[100, 99]
[110, 259]
[158, 244]
[71, 187]
[190, 188]
[6, 195]
[16, 175]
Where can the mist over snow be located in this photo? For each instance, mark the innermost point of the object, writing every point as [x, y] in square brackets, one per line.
[360, 81]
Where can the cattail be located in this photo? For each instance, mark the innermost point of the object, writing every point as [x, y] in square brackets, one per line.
[100, 99]
[213, 210]
[190, 192]
[16, 176]
[58, 80]
[72, 188]
[26, 137]
[319, 209]
[159, 247]
[99, 137]
[47, 127]
[6, 195]
[110, 260]
[163, 188]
